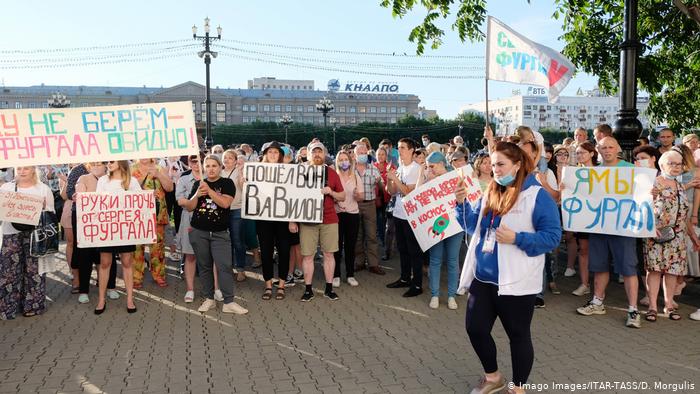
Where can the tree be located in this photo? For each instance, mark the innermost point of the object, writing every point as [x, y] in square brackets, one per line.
[669, 57]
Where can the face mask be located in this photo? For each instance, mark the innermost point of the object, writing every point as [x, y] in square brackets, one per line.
[667, 175]
[362, 159]
[344, 165]
[643, 162]
[505, 180]
[303, 159]
[426, 142]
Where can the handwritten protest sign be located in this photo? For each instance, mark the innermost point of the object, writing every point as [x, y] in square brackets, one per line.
[608, 200]
[71, 135]
[431, 210]
[283, 192]
[106, 219]
[20, 208]
[471, 183]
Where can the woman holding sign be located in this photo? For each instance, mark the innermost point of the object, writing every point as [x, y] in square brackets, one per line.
[117, 180]
[22, 287]
[513, 225]
[348, 212]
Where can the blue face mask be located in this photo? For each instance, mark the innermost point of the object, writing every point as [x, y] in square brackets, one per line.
[344, 165]
[506, 180]
[362, 159]
[667, 176]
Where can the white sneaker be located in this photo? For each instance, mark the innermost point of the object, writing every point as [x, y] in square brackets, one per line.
[83, 299]
[353, 282]
[461, 291]
[591, 309]
[189, 296]
[112, 294]
[206, 305]
[434, 302]
[233, 307]
[581, 290]
[336, 282]
[451, 303]
[569, 272]
[695, 315]
[218, 296]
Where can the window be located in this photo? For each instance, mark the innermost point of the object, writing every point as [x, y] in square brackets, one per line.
[402, 110]
[353, 110]
[528, 107]
[194, 106]
[253, 108]
[221, 117]
[266, 118]
[278, 108]
[288, 108]
[202, 105]
[221, 107]
[32, 105]
[340, 108]
[300, 108]
[392, 110]
[43, 105]
[246, 119]
[18, 105]
[310, 108]
[392, 120]
[363, 110]
[353, 120]
[373, 110]
[341, 120]
[382, 110]
[266, 108]
[245, 108]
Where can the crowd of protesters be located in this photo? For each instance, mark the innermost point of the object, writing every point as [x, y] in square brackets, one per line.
[364, 223]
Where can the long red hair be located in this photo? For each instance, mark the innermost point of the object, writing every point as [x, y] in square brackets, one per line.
[501, 199]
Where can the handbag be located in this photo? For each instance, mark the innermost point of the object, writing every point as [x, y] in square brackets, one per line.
[668, 233]
[155, 185]
[44, 239]
[22, 226]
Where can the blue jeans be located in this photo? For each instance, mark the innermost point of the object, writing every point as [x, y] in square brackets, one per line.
[235, 228]
[449, 249]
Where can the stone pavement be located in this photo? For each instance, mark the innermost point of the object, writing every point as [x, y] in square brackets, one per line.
[370, 341]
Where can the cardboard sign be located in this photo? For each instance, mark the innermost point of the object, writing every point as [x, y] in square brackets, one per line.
[113, 219]
[20, 207]
[472, 184]
[608, 200]
[45, 136]
[283, 192]
[430, 210]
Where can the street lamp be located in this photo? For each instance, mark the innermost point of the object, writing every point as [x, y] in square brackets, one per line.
[58, 100]
[460, 129]
[207, 54]
[325, 105]
[333, 122]
[286, 120]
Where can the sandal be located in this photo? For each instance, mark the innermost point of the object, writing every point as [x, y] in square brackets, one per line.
[673, 314]
[651, 315]
[267, 295]
[280, 293]
[29, 314]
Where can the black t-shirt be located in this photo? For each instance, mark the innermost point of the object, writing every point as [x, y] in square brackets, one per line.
[207, 216]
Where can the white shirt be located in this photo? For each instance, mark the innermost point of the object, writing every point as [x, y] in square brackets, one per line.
[39, 189]
[408, 175]
[105, 185]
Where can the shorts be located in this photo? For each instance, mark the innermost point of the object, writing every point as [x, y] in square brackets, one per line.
[311, 235]
[604, 247]
[117, 249]
[182, 239]
[66, 214]
[294, 238]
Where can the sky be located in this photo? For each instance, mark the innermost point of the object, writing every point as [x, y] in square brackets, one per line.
[357, 26]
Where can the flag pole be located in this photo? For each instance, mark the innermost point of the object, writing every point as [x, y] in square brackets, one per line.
[486, 84]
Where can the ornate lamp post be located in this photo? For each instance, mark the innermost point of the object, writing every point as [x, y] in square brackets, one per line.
[58, 100]
[627, 127]
[207, 54]
[286, 120]
[325, 105]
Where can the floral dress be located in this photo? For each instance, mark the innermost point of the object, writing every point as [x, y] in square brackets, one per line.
[670, 209]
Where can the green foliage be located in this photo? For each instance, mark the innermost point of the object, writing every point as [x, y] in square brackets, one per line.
[669, 56]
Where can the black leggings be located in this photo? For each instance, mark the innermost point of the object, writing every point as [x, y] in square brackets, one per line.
[348, 227]
[271, 235]
[515, 312]
[84, 258]
[410, 254]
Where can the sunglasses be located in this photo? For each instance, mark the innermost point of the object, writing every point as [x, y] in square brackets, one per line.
[109, 162]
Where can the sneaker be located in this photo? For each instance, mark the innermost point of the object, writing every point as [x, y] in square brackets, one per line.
[234, 308]
[461, 291]
[539, 302]
[582, 290]
[434, 302]
[290, 281]
[353, 282]
[331, 295]
[486, 387]
[218, 295]
[189, 296]
[298, 274]
[452, 303]
[206, 305]
[633, 320]
[591, 309]
[413, 292]
[398, 284]
[336, 282]
[307, 296]
[112, 294]
[569, 272]
[695, 315]
[83, 299]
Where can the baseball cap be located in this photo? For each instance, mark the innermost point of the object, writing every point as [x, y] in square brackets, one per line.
[315, 145]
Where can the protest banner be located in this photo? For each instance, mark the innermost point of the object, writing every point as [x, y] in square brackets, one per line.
[608, 200]
[430, 209]
[42, 136]
[471, 183]
[113, 219]
[20, 207]
[283, 192]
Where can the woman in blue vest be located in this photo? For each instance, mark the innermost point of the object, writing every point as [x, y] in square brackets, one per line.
[513, 225]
